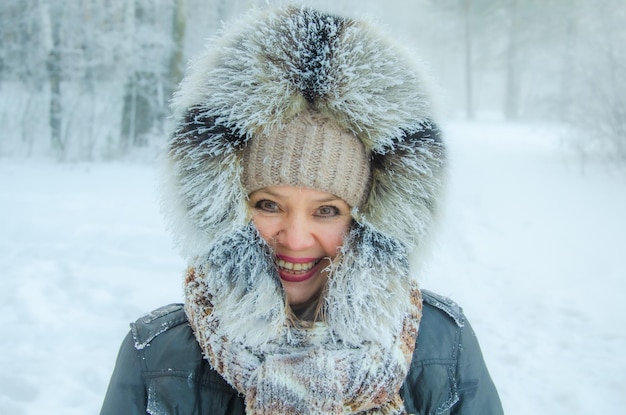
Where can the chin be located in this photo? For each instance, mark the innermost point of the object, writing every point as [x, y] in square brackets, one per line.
[300, 293]
[297, 297]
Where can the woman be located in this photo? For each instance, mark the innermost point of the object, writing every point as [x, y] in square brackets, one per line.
[302, 175]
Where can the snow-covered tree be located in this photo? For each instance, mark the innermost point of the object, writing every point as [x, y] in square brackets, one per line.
[91, 79]
[594, 91]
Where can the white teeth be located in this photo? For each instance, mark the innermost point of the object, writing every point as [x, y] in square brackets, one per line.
[296, 266]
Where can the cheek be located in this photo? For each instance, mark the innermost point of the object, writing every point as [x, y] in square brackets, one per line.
[265, 227]
[333, 239]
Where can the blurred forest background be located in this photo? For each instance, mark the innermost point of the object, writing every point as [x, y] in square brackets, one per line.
[88, 80]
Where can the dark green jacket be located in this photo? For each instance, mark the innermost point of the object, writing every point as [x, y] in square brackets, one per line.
[160, 369]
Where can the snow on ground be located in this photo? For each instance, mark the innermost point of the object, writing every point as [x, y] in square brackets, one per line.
[530, 247]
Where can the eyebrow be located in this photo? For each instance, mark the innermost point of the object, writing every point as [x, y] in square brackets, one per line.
[333, 198]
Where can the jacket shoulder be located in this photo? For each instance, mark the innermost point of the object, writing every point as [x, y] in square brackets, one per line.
[147, 328]
[448, 373]
[440, 330]
[446, 305]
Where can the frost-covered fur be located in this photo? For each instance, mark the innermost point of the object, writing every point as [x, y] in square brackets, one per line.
[254, 77]
[236, 310]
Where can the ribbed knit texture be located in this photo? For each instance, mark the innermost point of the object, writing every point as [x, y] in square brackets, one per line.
[268, 77]
[310, 151]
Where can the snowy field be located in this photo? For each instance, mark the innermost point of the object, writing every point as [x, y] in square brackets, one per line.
[530, 246]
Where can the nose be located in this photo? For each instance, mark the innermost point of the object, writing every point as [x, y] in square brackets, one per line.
[295, 234]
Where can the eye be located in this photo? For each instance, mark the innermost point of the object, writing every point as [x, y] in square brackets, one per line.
[266, 205]
[327, 211]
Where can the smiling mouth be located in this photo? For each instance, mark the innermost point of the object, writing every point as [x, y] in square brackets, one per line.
[296, 267]
[297, 271]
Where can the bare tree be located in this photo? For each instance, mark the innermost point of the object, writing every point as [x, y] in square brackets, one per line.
[177, 63]
[597, 108]
[52, 41]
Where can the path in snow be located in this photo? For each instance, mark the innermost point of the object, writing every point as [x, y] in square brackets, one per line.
[532, 250]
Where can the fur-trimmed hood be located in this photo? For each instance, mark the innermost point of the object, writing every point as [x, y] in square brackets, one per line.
[261, 70]
[254, 76]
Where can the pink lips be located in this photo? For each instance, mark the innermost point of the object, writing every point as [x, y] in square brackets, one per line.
[295, 260]
[285, 275]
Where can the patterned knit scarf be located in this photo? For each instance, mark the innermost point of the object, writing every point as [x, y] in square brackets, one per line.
[353, 363]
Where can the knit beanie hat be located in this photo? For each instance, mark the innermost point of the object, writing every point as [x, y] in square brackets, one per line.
[309, 151]
[296, 96]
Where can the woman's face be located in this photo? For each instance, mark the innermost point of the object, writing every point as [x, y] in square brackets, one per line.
[305, 229]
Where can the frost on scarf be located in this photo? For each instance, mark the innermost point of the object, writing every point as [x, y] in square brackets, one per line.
[355, 362]
[256, 75]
